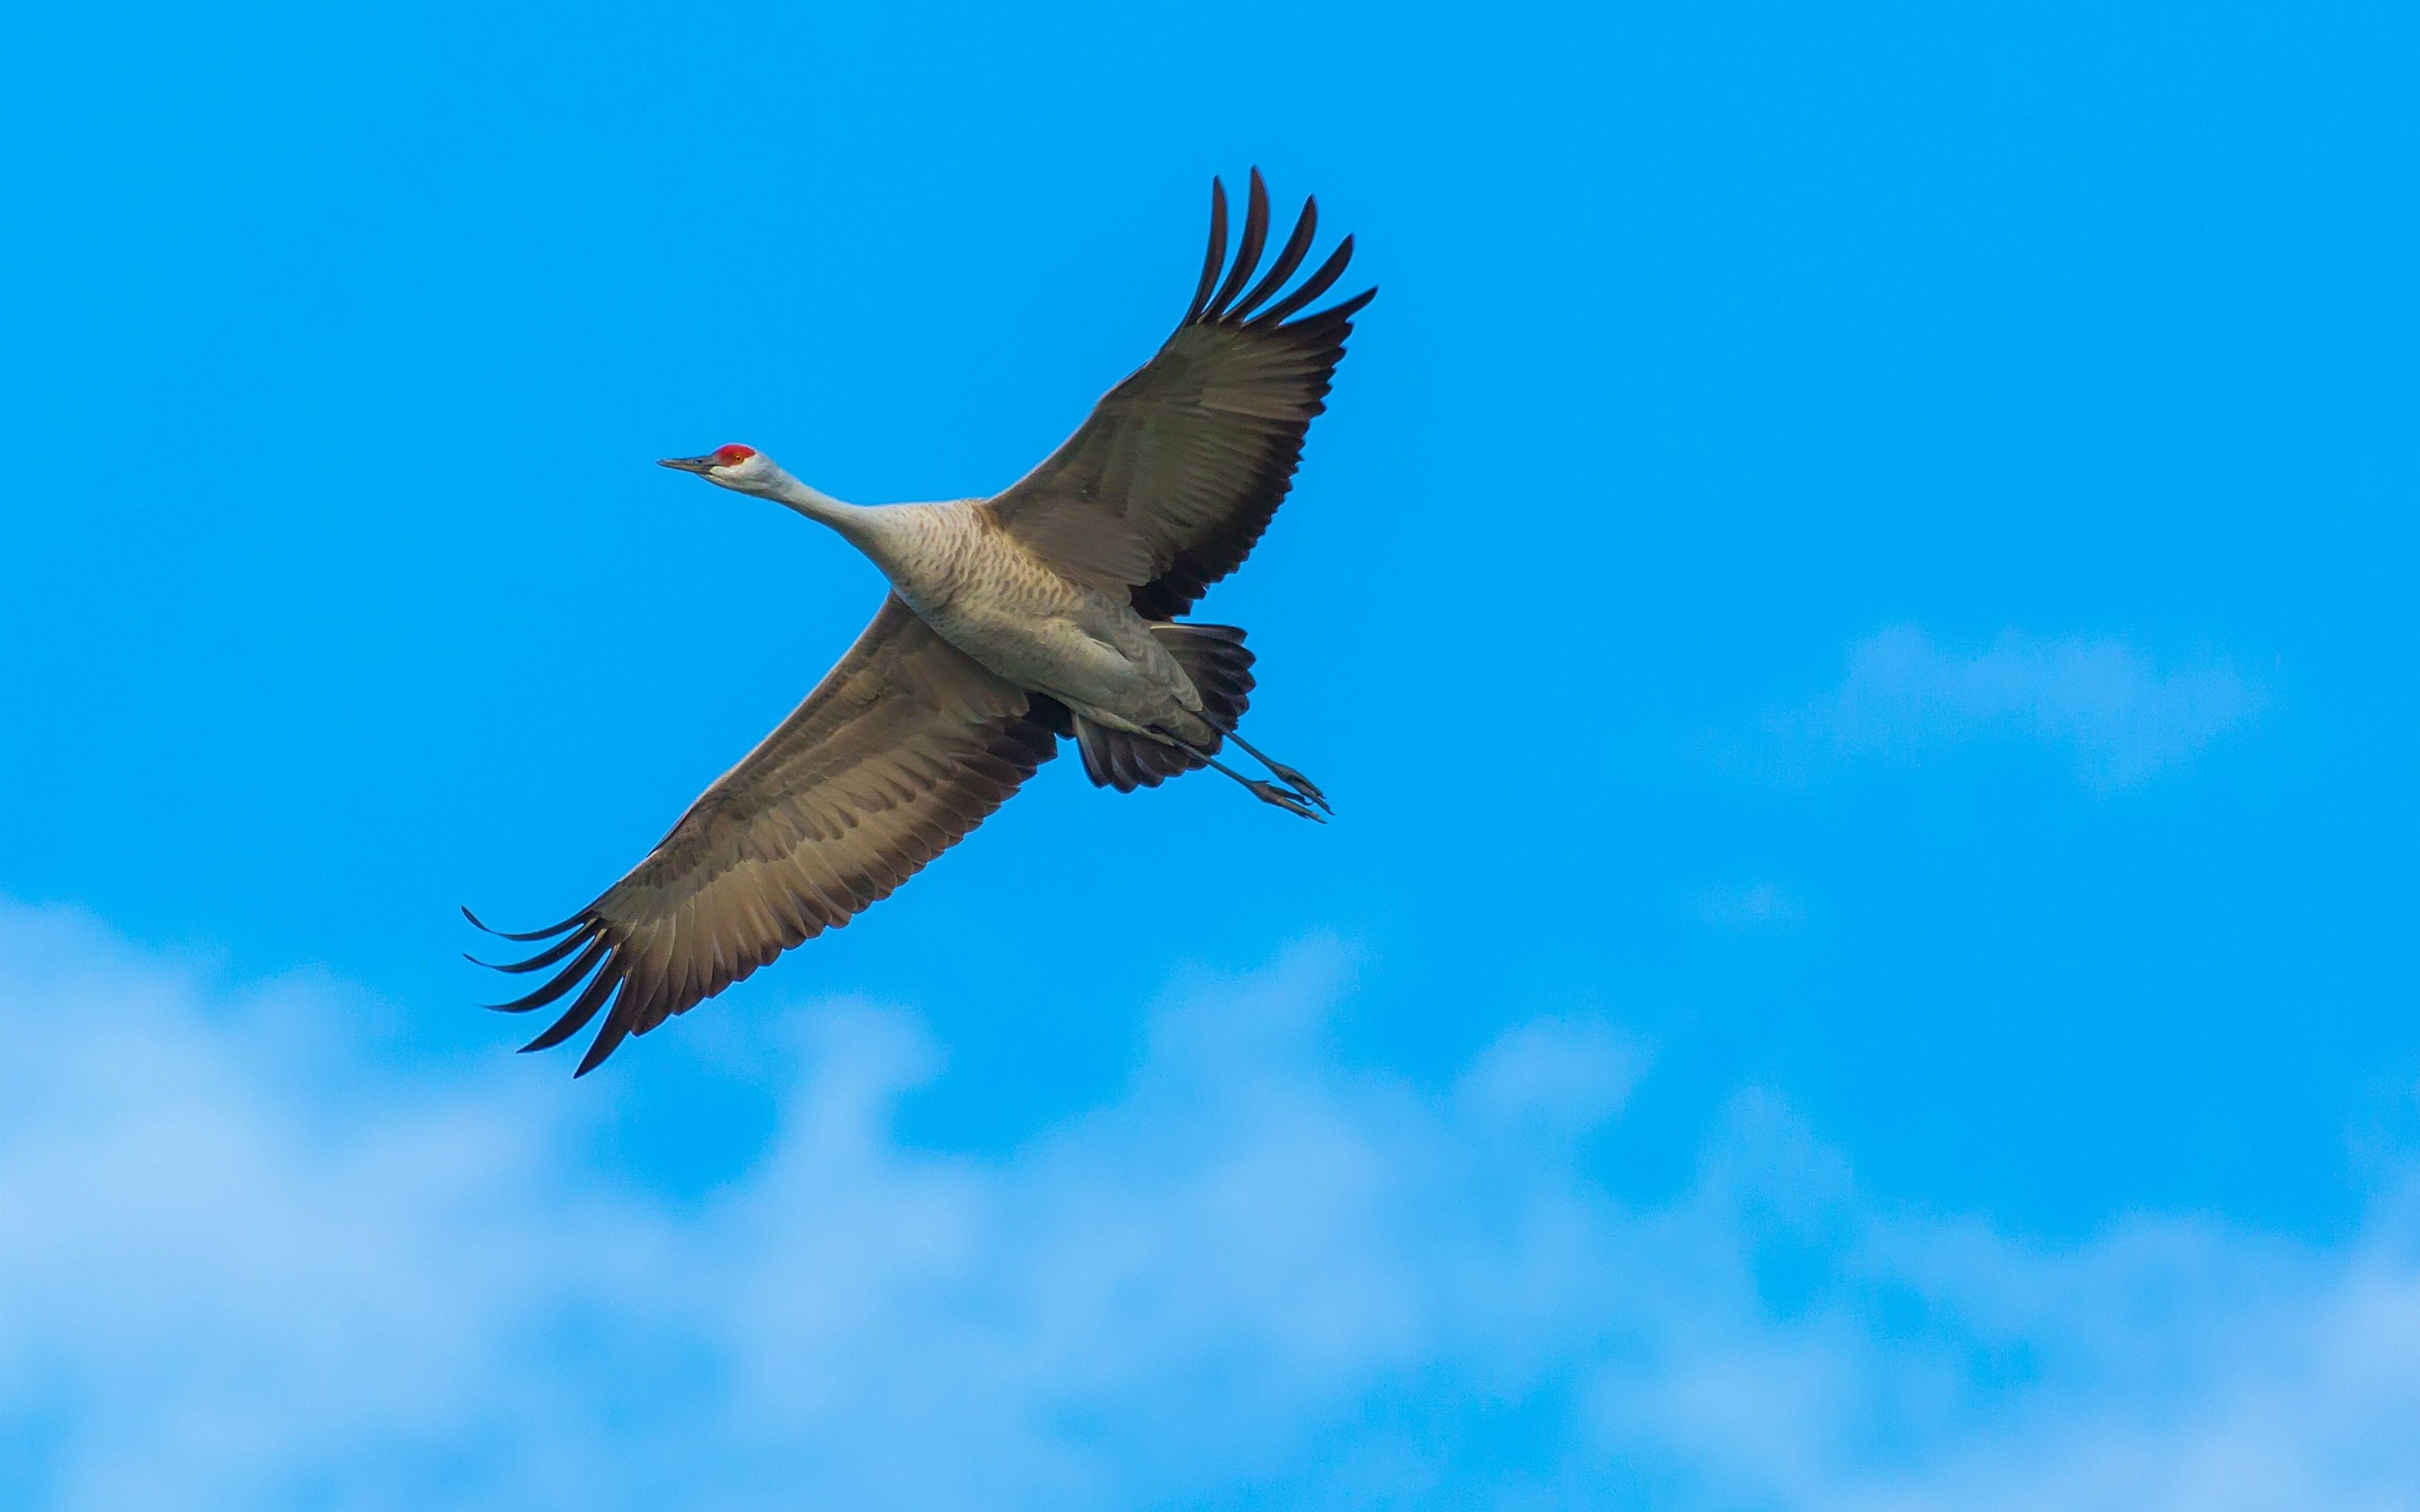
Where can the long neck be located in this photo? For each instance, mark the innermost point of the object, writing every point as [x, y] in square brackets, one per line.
[850, 519]
[871, 529]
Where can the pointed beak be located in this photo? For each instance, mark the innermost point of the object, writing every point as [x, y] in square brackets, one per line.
[688, 464]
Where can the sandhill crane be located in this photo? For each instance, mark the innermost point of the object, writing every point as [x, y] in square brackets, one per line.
[1047, 610]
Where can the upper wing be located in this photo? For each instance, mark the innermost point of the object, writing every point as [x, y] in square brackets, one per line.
[903, 748]
[1176, 474]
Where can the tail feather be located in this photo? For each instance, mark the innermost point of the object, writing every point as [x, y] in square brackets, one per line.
[1220, 670]
[1214, 658]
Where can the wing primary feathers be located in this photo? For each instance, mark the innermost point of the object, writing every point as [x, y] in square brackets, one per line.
[1288, 260]
[547, 934]
[609, 1039]
[561, 982]
[1211, 262]
[1312, 287]
[1247, 250]
[1349, 308]
[544, 958]
[576, 1017]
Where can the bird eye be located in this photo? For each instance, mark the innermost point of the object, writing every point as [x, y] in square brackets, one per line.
[731, 456]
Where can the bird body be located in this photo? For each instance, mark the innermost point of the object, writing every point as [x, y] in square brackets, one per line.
[1048, 610]
[985, 591]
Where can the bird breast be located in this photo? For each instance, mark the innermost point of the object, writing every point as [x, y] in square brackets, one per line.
[998, 602]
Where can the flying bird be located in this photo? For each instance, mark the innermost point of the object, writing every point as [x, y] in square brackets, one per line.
[1047, 611]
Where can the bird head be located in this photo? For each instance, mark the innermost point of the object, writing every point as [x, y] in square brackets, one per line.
[741, 468]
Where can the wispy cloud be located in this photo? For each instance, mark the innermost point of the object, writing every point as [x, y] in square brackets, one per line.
[244, 1267]
[2124, 715]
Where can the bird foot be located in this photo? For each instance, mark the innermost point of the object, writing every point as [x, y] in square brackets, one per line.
[1301, 784]
[1290, 802]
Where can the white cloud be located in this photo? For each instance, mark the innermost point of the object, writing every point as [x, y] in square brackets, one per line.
[244, 1266]
[2124, 716]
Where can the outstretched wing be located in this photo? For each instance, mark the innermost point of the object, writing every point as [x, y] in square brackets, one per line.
[905, 746]
[1176, 474]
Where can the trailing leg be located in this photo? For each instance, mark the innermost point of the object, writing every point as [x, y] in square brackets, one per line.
[1267, 792]
[1283, 773]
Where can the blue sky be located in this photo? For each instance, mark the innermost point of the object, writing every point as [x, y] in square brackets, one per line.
[1854, 600]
